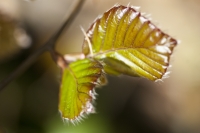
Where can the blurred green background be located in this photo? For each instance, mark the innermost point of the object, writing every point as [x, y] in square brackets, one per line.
[126, 104]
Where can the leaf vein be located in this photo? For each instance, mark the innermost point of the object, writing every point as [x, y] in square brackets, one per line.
[146, 63]
[138, 66]
[149, 57]
[106, 28]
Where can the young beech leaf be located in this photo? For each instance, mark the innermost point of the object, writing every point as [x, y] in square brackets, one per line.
[128, 43]
[77, 89]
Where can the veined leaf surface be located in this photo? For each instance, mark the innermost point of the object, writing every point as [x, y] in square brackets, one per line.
[77, 88]
[128, 43]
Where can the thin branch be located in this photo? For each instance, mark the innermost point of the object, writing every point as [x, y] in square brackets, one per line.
[67, 23]
[58, 59]
[29, 61]
[49, 45]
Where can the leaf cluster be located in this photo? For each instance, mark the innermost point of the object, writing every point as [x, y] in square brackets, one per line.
[121, 41]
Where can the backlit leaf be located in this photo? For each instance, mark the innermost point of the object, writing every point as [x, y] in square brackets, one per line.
[77, 88]
[128, 43]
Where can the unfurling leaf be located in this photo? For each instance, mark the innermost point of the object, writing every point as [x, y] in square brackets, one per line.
[77, 88]
[128, 43]
[121, 41]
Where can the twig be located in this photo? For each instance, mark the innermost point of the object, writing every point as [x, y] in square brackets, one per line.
[67, 23]
[49, 45]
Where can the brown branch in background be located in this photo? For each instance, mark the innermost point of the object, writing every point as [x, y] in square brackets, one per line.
[66, 24]
[49, 45]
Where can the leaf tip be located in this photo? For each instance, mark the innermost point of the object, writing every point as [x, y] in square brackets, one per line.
[86, 110]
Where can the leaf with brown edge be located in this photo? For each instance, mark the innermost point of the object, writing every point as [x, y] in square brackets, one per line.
[126, 42]
[77, 89]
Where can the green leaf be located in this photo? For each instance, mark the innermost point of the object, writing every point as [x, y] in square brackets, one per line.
[126, 42]
[77, 88]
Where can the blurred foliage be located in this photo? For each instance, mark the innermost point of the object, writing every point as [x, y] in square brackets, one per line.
[12, 37]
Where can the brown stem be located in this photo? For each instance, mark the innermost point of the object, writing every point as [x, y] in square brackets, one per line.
[58, 59]
[49, 45]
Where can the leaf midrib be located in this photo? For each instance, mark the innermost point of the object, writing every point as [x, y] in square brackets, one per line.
[118, 49]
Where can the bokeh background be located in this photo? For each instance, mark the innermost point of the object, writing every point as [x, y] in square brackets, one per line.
[126, 104]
